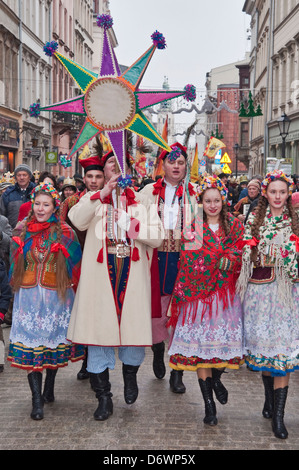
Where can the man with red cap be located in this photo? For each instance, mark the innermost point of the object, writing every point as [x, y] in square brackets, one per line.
[173, 202]
[93, 180]
[112, 308]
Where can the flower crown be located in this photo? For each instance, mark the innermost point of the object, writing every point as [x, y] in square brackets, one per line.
[47, 188]
[212, 182]
[275, 175]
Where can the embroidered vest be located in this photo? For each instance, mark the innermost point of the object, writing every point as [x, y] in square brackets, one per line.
[40, 271]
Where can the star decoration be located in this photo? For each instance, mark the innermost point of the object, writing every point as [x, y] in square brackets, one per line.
[112, 101]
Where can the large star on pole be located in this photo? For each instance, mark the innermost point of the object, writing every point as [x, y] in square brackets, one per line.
[111, 101]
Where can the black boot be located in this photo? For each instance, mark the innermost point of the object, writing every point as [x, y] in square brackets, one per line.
[48, 394]
[35, 383]
[268, 382]
[130, 383]
[220, 391]
[280, 398]
[83, 374]
[158, 361]
[101, 385]
[210, 407]
[176, 381]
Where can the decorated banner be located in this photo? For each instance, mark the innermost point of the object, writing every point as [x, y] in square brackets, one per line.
[158, 170]
[194, 168]
[140, 159]
[214, 145]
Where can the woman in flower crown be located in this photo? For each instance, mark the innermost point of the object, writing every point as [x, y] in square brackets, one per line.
[45, 257]
[206, 315]
[269, 285]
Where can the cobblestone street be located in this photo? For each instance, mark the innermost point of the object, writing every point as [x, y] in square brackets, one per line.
[158, 420]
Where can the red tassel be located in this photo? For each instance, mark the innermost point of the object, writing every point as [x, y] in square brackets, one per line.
[100, 257]
[135, 255]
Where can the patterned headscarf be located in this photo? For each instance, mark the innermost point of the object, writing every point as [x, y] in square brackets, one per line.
[209, 182]
[275, 175]
[49, 189]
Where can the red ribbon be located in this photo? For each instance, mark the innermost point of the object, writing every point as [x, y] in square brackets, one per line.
[58, 246]
[130, 196]
[295, 238]
[252, 242]
[19, 242]
[157, 186]
[191, 190]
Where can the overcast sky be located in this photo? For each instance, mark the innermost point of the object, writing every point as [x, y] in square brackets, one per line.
[200, 35]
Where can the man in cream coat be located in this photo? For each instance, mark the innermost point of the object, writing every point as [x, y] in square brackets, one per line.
[112, 308]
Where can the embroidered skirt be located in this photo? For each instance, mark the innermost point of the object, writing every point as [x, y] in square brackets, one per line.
[39, 328]
[271, 329]
[216, 340]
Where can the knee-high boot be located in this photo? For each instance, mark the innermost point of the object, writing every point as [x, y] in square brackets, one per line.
[35, 383]
[83, 373]
[101, 385]
[158, 360]
[280, 398]
[220, 391]
[48, 394]
[268, 382]
[176, 381]
[130, 383]
[210, 407]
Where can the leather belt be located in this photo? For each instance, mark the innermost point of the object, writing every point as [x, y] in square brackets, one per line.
[120, 250]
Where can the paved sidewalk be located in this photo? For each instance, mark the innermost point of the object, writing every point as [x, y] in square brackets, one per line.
[159, 420]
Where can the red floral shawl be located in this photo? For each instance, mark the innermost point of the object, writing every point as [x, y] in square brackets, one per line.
[200, 279]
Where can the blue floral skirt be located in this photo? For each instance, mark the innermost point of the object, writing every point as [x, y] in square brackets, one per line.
[271, 329]
[39, 327]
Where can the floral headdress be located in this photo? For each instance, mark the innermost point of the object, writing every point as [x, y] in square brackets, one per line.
[47, 188]
[209, 182]
[275, 175]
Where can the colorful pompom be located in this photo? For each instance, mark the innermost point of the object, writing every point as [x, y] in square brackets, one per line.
[158, 40]
[50, 48]
[104, 21]
[34, 110]
[124, 182]
[190, 92]
[65, 161]
[174, 154]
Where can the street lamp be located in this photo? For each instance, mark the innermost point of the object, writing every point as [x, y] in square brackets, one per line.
[236, 151]
[284, 126]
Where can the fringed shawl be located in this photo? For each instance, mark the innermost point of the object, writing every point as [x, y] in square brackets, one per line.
[276, 248]
[69, 245]
[200, 279]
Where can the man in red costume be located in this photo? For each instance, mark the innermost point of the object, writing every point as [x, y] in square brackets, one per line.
[170, 196]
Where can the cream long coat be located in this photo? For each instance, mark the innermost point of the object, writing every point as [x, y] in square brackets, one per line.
[94, 319]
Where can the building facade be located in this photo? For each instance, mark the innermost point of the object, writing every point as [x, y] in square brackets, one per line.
[274, 76]
[24, 79]
[28, 76]
[223, 92]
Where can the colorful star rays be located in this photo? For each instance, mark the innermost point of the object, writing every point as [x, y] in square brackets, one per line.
[112, 101]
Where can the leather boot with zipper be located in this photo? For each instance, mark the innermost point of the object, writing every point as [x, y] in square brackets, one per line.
[268, 382]
[48, 393]
[280, 398]
[210, 407]
[35, 383]
[220, 391]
